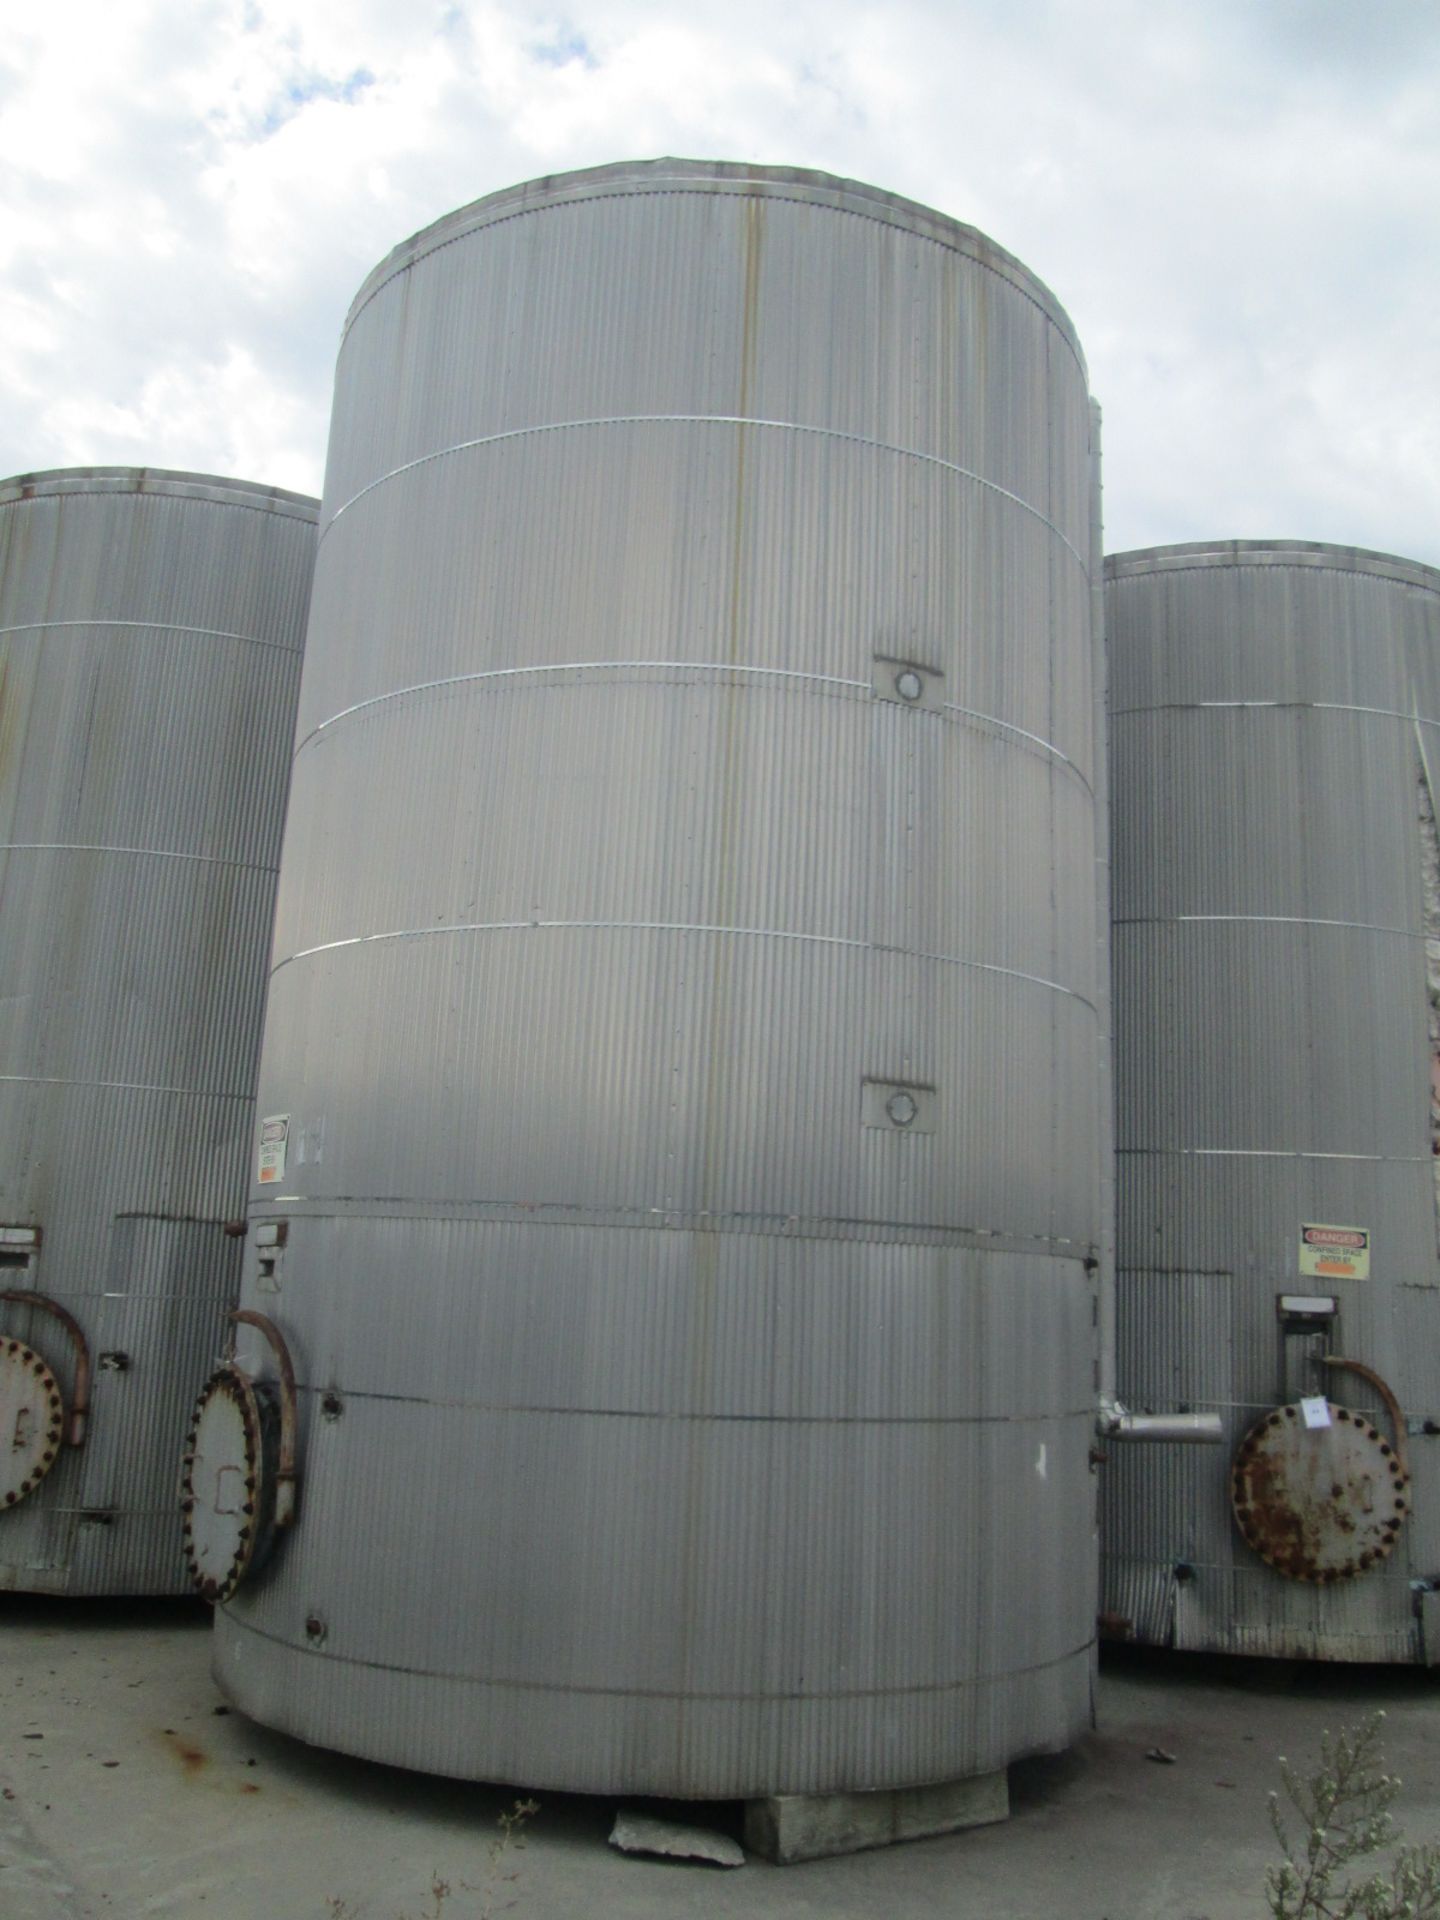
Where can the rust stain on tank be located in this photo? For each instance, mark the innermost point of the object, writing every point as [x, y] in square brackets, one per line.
[1268, 1520]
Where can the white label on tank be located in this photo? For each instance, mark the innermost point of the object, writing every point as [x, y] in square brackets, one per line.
[274, 1132]
[1042, 1461]
[1316, 1413]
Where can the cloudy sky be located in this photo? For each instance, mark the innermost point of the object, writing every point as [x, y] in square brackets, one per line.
[1238, 203]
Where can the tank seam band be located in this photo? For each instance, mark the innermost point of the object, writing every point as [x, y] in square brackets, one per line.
[155, 626]
[122, 1086]
[1260, 919]
[1273, 706]
[561, 1217]
[666, 926]
[1048, 1417]
[1281, 1153]
[143, 853]
[710, 420]
[488, 674]
[799, 1698]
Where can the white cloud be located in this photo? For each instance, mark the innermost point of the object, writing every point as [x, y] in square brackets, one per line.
[228, 403]
[1236, 203]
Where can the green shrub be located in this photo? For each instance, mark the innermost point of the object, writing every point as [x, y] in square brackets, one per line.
[1344, 1816]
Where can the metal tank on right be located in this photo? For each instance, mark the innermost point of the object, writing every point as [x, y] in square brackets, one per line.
[1275, 746]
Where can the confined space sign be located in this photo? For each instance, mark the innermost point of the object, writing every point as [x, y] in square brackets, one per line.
[274, 1132]
[1335, 1253]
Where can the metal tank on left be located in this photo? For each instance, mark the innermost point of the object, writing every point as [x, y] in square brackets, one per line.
[151, 627]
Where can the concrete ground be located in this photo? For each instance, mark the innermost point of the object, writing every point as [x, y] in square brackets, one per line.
[128, 1790]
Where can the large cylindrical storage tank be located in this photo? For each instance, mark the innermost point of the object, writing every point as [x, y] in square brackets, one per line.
[151, 626]
[680, 1078]
[1275, 741]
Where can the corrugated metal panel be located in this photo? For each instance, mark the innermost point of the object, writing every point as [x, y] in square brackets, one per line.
[783, 1441]
[1272, 1051]
[719, 1442]
[150, 633]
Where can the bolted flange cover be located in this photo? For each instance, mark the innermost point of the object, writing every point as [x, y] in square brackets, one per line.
[1319, 1503]
[32, 1416]
[227, 1482]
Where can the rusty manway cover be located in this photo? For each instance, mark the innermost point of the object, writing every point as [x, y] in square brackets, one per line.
[31, 1413]
[1323, 1502]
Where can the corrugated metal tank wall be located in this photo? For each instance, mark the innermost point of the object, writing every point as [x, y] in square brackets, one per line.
[702, 1423]
[1275, 706]
[150, 633]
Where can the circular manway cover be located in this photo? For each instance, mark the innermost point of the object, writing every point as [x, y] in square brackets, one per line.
[224, 1483]
[1319, 1503]
[32, 1414]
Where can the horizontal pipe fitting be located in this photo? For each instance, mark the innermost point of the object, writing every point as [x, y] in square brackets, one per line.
[1188, 1429]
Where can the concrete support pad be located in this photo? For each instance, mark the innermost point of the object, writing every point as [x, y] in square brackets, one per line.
[810, 1826]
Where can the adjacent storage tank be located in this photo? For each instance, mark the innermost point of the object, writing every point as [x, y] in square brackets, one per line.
[1276, 736]
[150, 633]
[678, 1147]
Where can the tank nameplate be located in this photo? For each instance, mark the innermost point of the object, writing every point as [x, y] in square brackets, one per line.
[1319, 1502]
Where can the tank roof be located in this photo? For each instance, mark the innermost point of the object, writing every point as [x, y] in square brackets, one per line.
[1193, 554]
[60, 482]
[672, 175]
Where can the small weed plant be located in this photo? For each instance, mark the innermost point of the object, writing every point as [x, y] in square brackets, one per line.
[1343, 1811]
[496, 1890]
[496, 1895]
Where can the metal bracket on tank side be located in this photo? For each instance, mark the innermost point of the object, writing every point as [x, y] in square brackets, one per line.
[285, 1478]
[1425, 1605]
[1116, 1422]
[80, 1403]
[910, 683]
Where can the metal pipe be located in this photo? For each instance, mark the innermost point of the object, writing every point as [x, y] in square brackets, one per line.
[1114, 1421]
[1392, 1405]
[285, 1478]
[1188, 1429]
[80, 1399]
[1105, 1365]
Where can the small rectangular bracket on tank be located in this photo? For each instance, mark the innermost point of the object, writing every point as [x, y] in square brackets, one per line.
[1307, 1323]
[899, 1106]
[1425, 1601]
[270, 1238]
[1308, 1312]
[18, 1247]
[909, 683]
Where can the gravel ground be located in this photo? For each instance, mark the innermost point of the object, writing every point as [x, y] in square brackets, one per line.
[129, 1790]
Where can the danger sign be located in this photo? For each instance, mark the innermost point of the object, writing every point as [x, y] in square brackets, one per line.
[270, 1161]
[1335, 1253]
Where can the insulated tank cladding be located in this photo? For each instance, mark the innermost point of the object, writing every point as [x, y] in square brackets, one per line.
[150, 633]
[1275, 744]
[680, 1079]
